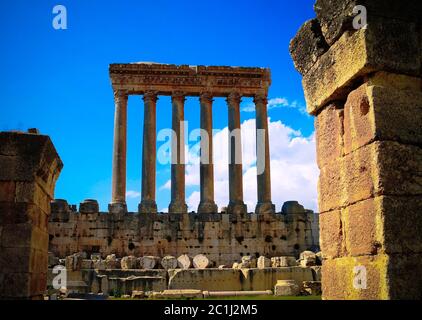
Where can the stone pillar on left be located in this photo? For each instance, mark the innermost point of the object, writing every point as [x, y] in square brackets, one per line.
[118, 197]
[29, 168]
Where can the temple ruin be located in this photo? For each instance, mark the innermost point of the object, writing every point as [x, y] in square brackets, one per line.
[223, 236]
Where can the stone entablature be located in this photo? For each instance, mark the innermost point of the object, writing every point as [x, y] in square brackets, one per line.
[224, 238]
[138, 78]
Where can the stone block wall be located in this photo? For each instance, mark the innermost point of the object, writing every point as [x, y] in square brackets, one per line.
[364, 87]
[224, 238]
[29, 168]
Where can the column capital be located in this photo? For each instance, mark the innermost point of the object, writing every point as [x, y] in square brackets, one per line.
[260, 98]
[120, 95]
[234, 98]
[150, 96]
[178, 95]
[206, 96]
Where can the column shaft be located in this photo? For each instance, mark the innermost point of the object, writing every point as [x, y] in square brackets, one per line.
[207, 204]
[118, 198]
[149, 152]
[264, 204]
[178, 204]
[236, 204]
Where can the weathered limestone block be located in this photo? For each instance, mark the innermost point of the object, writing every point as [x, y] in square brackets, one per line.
[74, 262]
[137, 294]
[286, 288]
[336, 16]
[331, 234]
[89, 206]
[200, 261]
[329, 130]
[372, 170]
[284, 261]
[169, 262]
[111, 261]
[181, 293]
[99, 265]
[370, 231]
[129, 262]
[263, 262]
[248, 262]
[382, 113]
[308, 45]
[148, 262]
[359, 53]
[307, 259]
[184, 261]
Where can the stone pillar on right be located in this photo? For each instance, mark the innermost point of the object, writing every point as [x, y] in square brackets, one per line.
[363, 84]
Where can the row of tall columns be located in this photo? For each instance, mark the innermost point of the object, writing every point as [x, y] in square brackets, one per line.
[207, 203]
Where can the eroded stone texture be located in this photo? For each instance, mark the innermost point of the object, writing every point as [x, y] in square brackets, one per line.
[29, 168]
[366, 93]
[223, 238]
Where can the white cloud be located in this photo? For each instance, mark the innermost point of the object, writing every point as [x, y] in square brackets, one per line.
[278, 103]
[294, 172]
[131, 194]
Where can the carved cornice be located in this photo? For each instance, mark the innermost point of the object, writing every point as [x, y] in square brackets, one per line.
[138, 78]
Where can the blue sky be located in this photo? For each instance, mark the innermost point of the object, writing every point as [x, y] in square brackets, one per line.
[57, 80]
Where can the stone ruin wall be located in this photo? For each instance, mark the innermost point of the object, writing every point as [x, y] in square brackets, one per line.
[222, 237]
[364, 86]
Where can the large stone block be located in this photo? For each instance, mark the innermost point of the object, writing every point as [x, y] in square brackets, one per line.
[329, 134]
[385, 224]
[29, 157]
[336, 16]
[332, 234]
[340, 278]
[378, 168]
[396, 276]
[307, 46]
[382, 113]
[386, 45]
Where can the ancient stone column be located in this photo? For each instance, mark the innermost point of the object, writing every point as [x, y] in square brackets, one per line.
[149, 153]
[29, 168]
[363, 85]
[207, 204]
[236, 205]
[264, 204]
[178, 204]
[118, 197]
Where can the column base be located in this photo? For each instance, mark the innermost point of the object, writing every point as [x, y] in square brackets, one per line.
[147, 206]
[117, 208]
[265, 207]
[207, 207]
[178, 207]
[237, 208]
